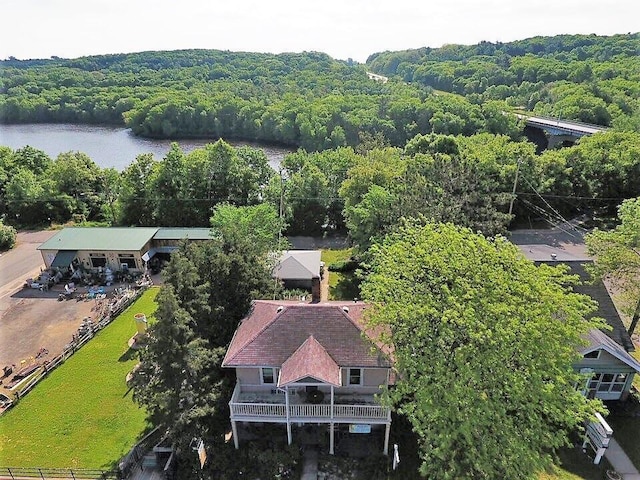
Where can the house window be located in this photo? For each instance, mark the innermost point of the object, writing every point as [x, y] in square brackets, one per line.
[355, 376]
[608, 382]
[268, 375]
[594, 354]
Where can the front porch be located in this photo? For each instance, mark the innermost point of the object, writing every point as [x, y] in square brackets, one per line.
[295, 407]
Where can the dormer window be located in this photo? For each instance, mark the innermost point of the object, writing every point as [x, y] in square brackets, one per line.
[355, 376]
[595, 354]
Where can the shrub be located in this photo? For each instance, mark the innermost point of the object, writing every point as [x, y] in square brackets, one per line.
[8, 236]
[348, 265]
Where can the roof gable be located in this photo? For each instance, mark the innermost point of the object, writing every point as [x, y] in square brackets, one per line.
[273, 331]
[598, 340]
[298, 265]
[310, 360]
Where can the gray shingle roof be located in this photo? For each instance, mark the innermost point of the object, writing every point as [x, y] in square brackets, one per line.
[298, 265]
[606, 307]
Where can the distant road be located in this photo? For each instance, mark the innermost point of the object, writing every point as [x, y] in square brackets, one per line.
[23, 260]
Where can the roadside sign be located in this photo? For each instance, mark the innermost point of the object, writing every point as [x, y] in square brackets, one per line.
[359, 428]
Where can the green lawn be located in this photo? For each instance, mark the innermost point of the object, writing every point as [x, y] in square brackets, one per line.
[342, 285]
[83, 414]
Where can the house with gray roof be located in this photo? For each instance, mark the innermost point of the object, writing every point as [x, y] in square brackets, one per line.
[308, 365]
[300, 269]
[606, 358]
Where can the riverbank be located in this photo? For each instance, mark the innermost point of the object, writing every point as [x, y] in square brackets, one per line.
[110, 146]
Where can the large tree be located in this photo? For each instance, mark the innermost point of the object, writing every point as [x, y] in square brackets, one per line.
[484, 345]
[208, 289]
[617, 258]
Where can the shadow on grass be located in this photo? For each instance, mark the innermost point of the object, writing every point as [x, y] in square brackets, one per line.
[130, 354]
[574, 461]
[347, 288]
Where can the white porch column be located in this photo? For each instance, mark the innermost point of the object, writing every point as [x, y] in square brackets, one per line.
[286, 399]
[385, 449]
[331, 452]
[234, 430]
[331, 402]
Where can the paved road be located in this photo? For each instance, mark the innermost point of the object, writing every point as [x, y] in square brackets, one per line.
[23, 260]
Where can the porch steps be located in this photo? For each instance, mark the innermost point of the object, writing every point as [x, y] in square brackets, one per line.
[149, 460]
[310, 463]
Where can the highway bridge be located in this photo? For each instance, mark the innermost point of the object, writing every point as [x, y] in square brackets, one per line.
[556, 130]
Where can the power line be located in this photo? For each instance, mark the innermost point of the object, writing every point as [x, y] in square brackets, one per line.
[555, 212]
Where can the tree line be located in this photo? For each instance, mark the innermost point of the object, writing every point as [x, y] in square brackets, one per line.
[588, 78]
[361, 191]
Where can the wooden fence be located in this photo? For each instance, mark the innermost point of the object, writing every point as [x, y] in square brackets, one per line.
[114, 309]
[16, 473]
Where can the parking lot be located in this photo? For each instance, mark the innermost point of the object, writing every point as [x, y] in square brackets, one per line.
[37, 320]
[30, 319]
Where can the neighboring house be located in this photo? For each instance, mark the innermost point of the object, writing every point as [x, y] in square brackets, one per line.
[114, 248]
[300, 269]
[606, 356]
[308, 364]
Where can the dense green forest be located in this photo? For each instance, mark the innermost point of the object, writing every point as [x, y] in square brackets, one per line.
[307, 99]
[315, 102]
[433, 141]
[363, 192]
[590, 78]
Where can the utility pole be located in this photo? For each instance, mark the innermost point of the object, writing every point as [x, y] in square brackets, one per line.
[515, 184]
[281, 216]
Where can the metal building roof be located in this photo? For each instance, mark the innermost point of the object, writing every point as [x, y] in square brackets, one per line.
[100, 238]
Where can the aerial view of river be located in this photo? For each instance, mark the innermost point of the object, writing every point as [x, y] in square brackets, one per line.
[107, 146]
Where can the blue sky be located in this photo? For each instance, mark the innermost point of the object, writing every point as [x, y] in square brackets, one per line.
[342, 28]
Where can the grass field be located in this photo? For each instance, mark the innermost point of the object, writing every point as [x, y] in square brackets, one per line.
[342, 285]
[83, 414]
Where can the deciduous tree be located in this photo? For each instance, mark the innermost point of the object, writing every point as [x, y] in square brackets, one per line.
[484, 345]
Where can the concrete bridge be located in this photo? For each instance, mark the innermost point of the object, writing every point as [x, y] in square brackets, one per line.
[547, 132]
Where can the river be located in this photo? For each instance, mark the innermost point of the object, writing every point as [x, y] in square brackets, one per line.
[107, 146]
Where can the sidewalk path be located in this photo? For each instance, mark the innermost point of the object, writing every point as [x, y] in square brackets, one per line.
[620, 462]
[310, 464]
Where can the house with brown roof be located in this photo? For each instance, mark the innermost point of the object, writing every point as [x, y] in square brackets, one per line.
[308, 364]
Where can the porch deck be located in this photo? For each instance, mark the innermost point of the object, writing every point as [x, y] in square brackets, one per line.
[272, 407]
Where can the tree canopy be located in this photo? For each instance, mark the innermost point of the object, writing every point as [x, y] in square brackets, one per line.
[617, 258]
[208, 289]
[484, 344]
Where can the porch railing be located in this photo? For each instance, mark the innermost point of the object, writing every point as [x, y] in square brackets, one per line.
[299, 411]
[258, 409]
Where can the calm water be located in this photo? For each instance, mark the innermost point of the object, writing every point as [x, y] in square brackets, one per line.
[107, 146]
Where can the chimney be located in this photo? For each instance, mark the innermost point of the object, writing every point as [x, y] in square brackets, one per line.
[315, 290]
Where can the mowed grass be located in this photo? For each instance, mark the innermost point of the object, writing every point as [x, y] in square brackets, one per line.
[342, 285]
[82, 415]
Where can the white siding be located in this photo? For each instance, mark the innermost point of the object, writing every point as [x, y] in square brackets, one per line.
[248, 376]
